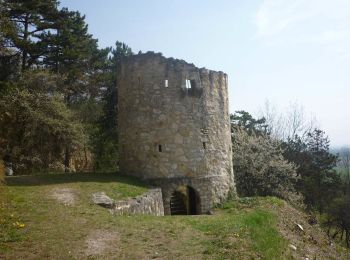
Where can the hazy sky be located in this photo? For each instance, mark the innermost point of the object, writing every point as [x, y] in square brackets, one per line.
[284, 51]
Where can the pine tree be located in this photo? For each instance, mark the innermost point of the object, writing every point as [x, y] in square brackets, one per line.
[319, 182]
[33, 20]
[106, 141]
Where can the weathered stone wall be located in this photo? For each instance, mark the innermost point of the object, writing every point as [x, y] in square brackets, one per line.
[173, 134]
[150, 203]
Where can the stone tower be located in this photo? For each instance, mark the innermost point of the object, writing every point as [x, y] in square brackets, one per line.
[174, 130]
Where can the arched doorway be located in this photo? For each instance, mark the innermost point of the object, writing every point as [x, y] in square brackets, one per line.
[184, 201]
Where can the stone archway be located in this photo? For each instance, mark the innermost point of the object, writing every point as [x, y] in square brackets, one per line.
[184, 201]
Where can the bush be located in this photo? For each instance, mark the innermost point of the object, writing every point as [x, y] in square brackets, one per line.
[260, 169]
[36, 128]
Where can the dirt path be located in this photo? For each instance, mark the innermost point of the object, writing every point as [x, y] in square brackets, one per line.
[67, 196]
[100, 242]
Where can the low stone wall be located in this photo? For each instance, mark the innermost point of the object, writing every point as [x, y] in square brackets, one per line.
[150, 203]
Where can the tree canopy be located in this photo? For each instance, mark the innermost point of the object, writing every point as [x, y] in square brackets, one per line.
[58, 89]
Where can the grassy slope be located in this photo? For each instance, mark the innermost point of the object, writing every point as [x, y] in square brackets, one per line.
[242, 229]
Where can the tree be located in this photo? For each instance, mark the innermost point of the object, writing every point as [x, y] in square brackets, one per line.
[259, 166]
[36, 125]
[260, 169]
[9, 59]
[33, 21]
[248, 123]
[284, 126]
[319, 182]
[59, 62]
[339, 218]
[344, 161]
[106, 136]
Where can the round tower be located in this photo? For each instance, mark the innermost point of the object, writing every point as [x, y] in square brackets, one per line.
[174, 130]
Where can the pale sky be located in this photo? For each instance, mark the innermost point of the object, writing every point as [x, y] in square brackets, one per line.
[284, 51]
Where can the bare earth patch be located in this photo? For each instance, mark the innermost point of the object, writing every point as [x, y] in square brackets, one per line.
[66, 196]
[100, 242]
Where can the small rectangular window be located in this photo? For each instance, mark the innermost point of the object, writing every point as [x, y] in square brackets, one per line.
[188, 84]
[204, 145]
[160, 148]
[166, 83]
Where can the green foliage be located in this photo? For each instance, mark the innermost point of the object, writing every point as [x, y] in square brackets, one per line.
[319, 182]
[339, 217]
[343, 168]
[9, 59]
[245, 121]
[105, 141]
[33, 21]
[37, 125]
[81, 126]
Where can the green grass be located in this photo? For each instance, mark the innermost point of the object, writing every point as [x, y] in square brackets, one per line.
[116, 186]
[241, 229]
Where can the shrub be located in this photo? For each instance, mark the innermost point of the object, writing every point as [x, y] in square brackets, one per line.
[260, 169]
[36, 128]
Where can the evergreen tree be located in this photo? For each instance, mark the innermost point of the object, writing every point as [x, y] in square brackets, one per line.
[72, 53]
[9, 59]
[106, 141]
[33, 20]
[319, 182]
[248, 123]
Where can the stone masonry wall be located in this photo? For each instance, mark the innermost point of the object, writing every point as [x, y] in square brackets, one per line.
[173, 134]
[150, 203]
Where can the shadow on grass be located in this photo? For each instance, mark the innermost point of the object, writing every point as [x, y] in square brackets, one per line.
[52, 179]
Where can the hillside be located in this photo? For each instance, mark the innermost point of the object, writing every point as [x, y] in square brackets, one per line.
[51, 216]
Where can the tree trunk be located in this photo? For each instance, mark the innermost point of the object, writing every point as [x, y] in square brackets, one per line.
[66, 159]
[25, 40]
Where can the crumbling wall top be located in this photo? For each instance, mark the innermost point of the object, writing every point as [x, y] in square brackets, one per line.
[158, 55]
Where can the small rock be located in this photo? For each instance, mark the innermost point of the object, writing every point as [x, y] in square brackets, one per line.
[299, 226]
[293, 247]
[101, 198]
[9, 170]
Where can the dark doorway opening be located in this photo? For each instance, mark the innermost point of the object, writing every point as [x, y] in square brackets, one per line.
[184, 201]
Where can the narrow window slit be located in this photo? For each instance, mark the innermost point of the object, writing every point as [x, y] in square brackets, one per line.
[166, 83]
[204, 145]
[160, 148]
[188, 84]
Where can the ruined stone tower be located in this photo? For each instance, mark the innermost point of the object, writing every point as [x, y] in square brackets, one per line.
[174, 130]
